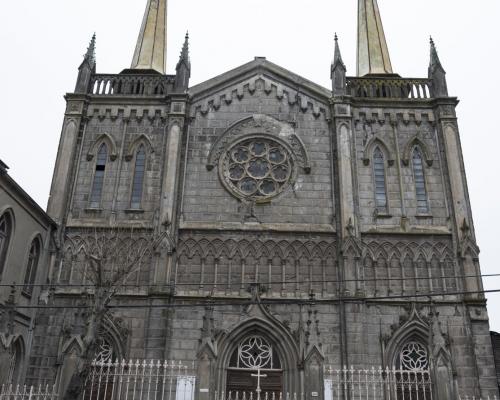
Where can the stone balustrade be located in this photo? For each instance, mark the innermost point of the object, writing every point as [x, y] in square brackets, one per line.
[389, 87]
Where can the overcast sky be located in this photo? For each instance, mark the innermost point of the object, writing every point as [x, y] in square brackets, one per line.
[42, 43]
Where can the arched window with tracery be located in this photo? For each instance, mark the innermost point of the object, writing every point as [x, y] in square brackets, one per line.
[102, 385]
[5, 236]
[255, 355]
[413, 378]
[98, 182]
[138, 181]
[419, 178]
[379, 180]
[15, 362]
[32, 266]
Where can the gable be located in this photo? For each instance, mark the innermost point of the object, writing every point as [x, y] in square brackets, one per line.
[277, 82]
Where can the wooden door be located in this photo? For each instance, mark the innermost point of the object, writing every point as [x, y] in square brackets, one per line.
[241, 381]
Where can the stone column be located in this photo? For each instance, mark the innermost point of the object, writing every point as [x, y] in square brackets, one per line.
[170, 187]
[347, 222]
[460, 205]
[344, 143]
[66, 156]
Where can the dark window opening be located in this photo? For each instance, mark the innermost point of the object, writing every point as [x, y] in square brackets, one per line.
[100, 169]
[31, 267]
[138, 181]
[5, 235]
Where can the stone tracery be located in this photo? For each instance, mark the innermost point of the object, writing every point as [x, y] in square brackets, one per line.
[256, 169]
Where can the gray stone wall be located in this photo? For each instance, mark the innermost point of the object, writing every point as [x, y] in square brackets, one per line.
[207, 201]
[288, 265]
[380, 127]
[125, 133]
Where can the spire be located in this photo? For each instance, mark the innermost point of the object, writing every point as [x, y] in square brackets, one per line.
[437, 74]
[373, 53]
[185, 52]
[87, 68]
[183, 69]
[435, 62]
[90, 55]
[150, 52]
[337, 58]
[338, 71]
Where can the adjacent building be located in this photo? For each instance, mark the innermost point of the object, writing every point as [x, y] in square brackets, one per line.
[495, 340]
[26, 252]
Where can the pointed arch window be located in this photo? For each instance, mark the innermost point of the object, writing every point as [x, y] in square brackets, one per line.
[138, 181]
[32, 266]
[413, 378]
[380, 180]
[15, 354]
[255, 353]
[97, 184]
[419, 178]
[5, 236]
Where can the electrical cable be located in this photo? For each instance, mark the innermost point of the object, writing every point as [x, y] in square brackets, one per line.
[212, 302]
[411, 279]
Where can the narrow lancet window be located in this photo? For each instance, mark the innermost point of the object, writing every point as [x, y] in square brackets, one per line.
[138, 182]
[5, 234]
[100, 169]
[419, 177]
[379, 178]
[31, 267]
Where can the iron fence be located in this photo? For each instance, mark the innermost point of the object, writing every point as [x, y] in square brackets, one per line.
[140, 380]
[18, 392]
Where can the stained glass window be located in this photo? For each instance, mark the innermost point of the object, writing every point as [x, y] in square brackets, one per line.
[257, 168]
[380, 182]
[419, 176]
[138, 181]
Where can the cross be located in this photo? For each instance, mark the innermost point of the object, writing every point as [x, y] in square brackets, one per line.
[258, 376]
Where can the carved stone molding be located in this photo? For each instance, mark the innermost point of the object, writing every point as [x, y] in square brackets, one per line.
[264, 126]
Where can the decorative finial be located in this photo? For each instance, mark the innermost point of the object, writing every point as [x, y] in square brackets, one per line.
[434, 62]
[337, 58]
[437, 73]
[184, 57]
[185, 48]
[90, 55]
[183, 67]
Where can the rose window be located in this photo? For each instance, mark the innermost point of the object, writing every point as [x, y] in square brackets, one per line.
[414, 357]
[257, 169]
[255, 353]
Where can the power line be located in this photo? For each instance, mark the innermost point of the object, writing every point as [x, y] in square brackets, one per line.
[405, 279]
[214, 303]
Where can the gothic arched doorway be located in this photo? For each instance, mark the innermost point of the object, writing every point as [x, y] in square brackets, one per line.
[255, 367]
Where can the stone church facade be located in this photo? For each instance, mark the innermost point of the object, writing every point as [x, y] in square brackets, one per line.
[297, 230]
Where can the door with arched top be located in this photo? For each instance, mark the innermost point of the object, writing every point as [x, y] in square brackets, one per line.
[254, 368]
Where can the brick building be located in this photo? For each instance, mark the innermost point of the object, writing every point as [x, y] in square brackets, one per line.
[280, 231]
